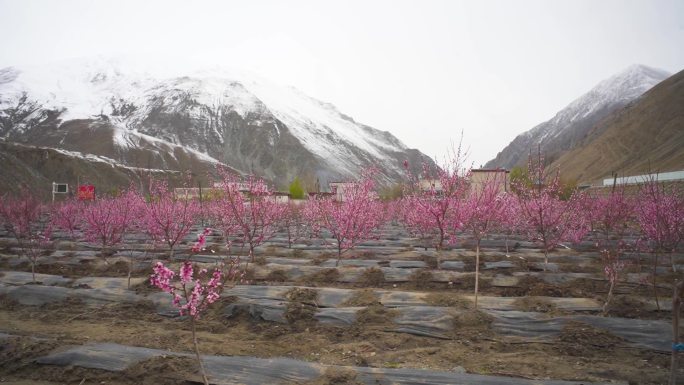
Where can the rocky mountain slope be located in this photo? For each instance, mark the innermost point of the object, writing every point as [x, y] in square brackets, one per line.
[188, 122]
[37, 167]
[569, 128]
[646, 136]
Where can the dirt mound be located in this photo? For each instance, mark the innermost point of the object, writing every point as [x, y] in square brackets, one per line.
[336, 376]
[301, 306]
[172, 369]
[468, 282]
[322, 257]
[7, 303]
[447, 300]
[372, 276]
[471, 324]
[326, 276]
[541, 305]
[533, 286]
[627, 306]
[375, 314]
[18, 352]
[430, 261]
[421, 279]
[364, 297]
[83, 269]
[580, 339]
[277, 275]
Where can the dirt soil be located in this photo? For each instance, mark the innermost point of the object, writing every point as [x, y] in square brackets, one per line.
[580, 339]
[581, 352]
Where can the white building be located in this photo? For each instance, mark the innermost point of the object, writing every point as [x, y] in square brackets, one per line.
[673, 176]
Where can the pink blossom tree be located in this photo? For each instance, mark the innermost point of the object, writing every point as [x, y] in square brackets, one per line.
[168, 218]
[107, 219]
[612, 216]
[194, 293]
[432, 203]
[20, 216]
[353, 220]
[511, 221]
[660, 213]
[66, 216]
[548, 218]
[417, 224]
[249, 210]
[293, 223]
[485, 209]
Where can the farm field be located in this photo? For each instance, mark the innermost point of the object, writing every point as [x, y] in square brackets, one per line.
[391, 312]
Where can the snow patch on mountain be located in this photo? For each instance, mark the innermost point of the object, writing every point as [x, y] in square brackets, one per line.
[621, 88]
[93, 87]
[574, 121]
[128, 138]
[103, 159]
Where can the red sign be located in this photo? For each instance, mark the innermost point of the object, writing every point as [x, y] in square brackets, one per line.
[86, 192]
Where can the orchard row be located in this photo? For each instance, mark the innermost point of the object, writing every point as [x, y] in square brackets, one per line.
[649, 219]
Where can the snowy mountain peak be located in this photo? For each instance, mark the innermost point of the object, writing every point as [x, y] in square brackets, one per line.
[229, 115]
[630, 83]
[570, 125]
[621, 88]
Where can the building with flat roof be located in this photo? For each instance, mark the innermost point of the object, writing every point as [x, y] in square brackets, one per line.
[479, 177]
[673, 176]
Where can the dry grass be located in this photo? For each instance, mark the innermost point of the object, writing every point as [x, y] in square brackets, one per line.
[365, 297]
[372, 277]
[541, 305]
[421, 279]
[448, 300]
[325, 276]
[375, 314]
[277, 275]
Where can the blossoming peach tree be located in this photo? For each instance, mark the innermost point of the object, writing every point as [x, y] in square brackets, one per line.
[21, 218]
[547, 217]
[194, 290]
[247, 210]
[355, 219]
[433, 204]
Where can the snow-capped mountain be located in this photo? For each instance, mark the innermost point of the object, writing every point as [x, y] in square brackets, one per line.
[103, 107]
[567, 129]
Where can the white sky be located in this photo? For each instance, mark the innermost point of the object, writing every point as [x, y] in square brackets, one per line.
[423, 70]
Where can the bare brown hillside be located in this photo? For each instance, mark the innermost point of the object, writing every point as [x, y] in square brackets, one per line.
[645, 136]
[37, 167]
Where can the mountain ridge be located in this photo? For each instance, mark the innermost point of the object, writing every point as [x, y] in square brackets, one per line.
[568, 127]
[646, 136]
[244, 121]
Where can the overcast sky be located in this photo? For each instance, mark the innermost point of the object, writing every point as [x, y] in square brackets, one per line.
[423, 70]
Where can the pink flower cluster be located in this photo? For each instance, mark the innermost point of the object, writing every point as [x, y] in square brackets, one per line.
[612, 265]
[201, 241]
[162, 277]
[190, 296]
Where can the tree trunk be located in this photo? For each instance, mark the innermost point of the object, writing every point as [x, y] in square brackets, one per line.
[674, 268]
[477, 270]
[289, 238]
[676, 303]
[33, 271]
[197, 353]
[507, 246]
[604, 311]
[441, 239]
[130, 268]
[655, 288]
[339, 253]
